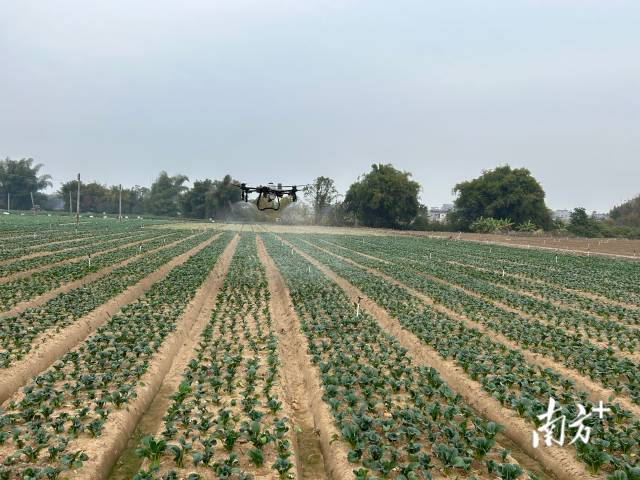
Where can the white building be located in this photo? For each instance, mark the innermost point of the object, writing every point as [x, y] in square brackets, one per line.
[439, 214]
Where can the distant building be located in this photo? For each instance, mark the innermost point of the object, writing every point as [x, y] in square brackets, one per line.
[565, 215]
[562, 215]
[439, 214]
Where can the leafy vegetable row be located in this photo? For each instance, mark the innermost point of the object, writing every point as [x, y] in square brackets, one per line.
[399, 420]
[225, 417]
[18, 333]
[614, 333]
[75, 397]
[40, 282]
[89, 247]
[598, 363]
[504, 374]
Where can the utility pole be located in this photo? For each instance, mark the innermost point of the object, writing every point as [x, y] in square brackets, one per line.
[78, 204]
[8, 201]
[70, 204]
[120, 204]
[33, 205]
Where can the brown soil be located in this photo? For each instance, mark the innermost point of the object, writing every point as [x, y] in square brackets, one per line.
[318, 456]
[104, 451]
[596, 392]
[60, 343]
[31, 271]
[45, 297]
[128, 464]
[560, 463]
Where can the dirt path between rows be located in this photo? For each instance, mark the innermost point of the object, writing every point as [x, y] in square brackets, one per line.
[92, 277]
[319, 457]
[560, 463]
[128, 464]
[77, 259]
[104, 451]
[60, 343]
[632, 356]
[596, 392]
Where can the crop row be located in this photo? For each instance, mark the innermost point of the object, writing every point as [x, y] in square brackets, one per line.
[90, 246]
[452, 253]
[614, 279]
[226, 415]
[17, 250]
[40, 282]
[18, 333]
[504, 374]
[73, 399]
[47, 232]
[482, 283]
[396, 418]
[598, 363]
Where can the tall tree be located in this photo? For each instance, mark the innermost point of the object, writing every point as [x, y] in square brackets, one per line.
[20, 179]
[583, 225]
[502, 193]
[93, 196]
[384, 197]
[627, 214]
[195, 202]
[322, 193]
[165, 194]
[223, 195]
[210, 198]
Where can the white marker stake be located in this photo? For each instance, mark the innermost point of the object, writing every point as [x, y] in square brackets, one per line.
[140, 249]
[89, 260]
[556, 258]
[503, 272]
[309, 269]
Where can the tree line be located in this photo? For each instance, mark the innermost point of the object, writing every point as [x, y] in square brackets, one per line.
[499, 200]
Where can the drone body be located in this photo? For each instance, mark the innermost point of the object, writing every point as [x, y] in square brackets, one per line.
[269, 195]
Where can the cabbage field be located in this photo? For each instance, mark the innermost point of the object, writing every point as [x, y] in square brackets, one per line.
[142, 349]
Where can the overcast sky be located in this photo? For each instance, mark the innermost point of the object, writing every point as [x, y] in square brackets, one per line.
[290, 90]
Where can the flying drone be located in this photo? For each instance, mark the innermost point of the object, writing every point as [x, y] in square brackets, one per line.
[270, 193]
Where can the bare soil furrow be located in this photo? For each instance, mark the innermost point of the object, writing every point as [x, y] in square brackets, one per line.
[105, 450]
[302, 385]
[560, 463]
[150, 423]
[317, 457]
